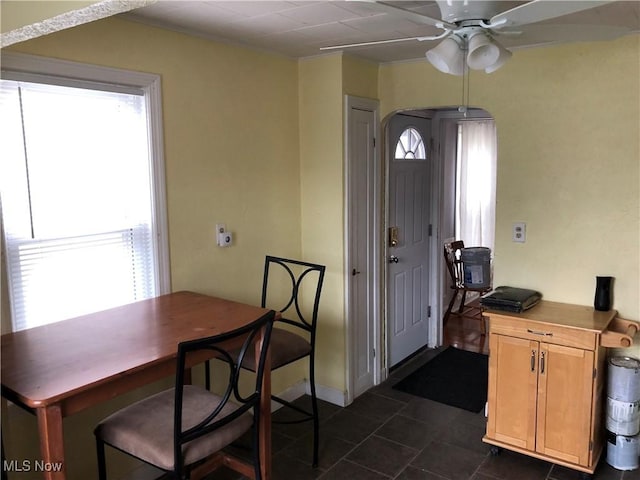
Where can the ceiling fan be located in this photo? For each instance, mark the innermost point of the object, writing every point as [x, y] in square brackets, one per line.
[470, 29]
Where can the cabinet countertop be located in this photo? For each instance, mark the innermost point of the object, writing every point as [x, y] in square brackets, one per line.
[562, 314]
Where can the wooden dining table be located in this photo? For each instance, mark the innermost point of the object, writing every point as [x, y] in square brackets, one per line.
[62, 368]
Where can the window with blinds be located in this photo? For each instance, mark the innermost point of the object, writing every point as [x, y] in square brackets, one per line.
[78, 199]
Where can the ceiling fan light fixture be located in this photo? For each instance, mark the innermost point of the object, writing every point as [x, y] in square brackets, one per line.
[483, 51]
[448, 56]
[502, 59]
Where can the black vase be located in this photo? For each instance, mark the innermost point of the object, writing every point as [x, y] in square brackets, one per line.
[602, 300]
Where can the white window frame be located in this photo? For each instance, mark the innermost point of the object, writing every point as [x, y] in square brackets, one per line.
[74, 74]
[419, 153]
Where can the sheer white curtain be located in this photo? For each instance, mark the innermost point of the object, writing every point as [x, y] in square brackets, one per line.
[476, 183]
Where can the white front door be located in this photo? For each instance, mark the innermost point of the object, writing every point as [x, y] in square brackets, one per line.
[408, 236]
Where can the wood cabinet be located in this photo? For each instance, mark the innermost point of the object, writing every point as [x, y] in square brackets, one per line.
[546, 383]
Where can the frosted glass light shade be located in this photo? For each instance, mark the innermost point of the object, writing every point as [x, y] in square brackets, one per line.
[447, 56]
[502, 59]
[482, 52]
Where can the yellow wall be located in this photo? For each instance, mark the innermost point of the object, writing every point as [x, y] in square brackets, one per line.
[231, 142]
[568, 122]
[360, 77]
[242, 148]
[320, 112]
[323, 82]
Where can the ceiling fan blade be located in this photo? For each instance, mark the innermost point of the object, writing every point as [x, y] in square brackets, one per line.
[533, 35]
[364, 44]
[539, 10]
[381, 42]
[411, 15]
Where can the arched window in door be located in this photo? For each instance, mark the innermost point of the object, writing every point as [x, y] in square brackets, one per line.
[410, 146]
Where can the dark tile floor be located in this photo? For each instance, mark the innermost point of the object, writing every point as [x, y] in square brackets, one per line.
[388, 434]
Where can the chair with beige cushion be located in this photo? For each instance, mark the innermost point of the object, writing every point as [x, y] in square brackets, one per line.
[175, 430]
[285, 283]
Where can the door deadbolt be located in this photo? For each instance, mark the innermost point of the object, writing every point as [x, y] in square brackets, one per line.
[393, 236]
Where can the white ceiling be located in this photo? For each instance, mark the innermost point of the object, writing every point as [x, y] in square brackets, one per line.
[299, 28]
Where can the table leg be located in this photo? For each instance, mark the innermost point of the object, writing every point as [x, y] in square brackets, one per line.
[51, 442]
[265, 415]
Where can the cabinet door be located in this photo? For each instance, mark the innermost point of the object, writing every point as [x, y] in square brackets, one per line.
[565, 389]
[513, 374]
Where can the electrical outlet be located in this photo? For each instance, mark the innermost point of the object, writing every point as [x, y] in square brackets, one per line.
[519, 233]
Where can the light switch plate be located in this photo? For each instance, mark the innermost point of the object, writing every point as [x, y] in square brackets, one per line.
[220, 228]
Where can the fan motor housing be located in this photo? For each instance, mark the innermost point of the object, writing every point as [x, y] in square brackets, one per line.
[454, 11]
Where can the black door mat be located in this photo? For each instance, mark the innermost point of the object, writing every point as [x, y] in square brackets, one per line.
[454, 377]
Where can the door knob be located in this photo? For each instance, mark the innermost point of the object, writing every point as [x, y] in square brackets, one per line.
[393, 259]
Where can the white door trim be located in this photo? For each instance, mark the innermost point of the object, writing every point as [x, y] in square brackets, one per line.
[374, 247]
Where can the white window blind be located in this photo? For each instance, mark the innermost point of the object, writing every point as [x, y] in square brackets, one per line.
[77, 200]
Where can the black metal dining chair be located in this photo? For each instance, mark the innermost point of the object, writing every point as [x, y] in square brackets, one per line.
[285, 282]
[177, 429]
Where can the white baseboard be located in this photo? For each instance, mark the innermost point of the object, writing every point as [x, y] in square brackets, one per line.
[327, 394]
[331, 395]
[290, 394]
[384, 374]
